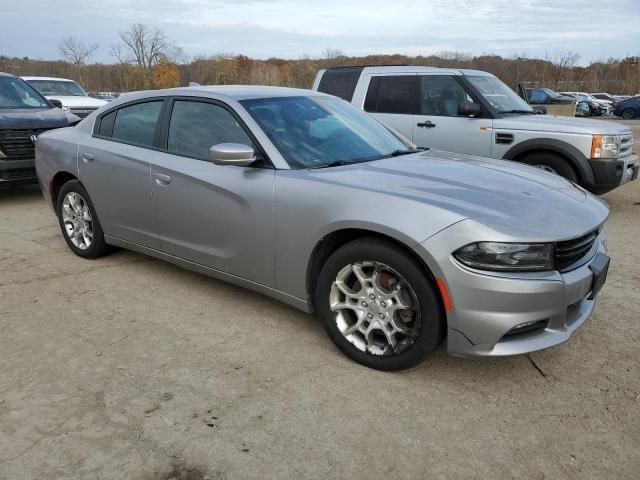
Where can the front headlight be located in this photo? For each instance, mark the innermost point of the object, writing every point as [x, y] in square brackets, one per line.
[605, 146]
[65, 108]
[512, 257]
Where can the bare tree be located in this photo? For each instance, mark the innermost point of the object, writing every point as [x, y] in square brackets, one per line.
[75, 51]
[145, 47]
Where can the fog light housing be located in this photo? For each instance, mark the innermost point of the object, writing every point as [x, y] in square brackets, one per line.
[527, 328]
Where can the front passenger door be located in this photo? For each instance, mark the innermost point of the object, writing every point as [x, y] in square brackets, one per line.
[437, 124]
[219, 216]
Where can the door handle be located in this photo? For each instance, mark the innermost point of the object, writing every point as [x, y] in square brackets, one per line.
[162, 179]
[87, 157]
[426, 124]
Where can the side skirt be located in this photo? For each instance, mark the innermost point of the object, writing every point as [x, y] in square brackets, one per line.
[212, 272]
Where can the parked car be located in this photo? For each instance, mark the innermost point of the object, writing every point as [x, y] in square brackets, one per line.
[628, 109]
[606, 97]
[74, 99]
[546, 96]
[473, 112]
[586, 107]
[604, 106]
[24, 113]
[303, 197]
[107, 96]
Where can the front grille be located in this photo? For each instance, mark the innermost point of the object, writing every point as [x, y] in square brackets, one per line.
[571, 251]
[17, 144]
[626, 145]
[18, 174]
[82, 111]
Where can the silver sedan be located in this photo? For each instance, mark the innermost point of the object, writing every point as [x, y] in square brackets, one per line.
[302, 197]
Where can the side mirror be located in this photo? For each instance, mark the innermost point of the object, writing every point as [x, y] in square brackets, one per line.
[539, 109]
[232, 154]
[468, 109]
[55, 103]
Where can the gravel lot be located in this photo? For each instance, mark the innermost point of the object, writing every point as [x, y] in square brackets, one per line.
[130, 368]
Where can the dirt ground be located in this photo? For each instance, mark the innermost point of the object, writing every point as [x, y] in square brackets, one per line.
[131, 368]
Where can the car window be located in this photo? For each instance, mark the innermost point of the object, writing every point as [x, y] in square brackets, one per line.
[317, 131]
[392, 94]
[196, 126]
[137, 123]
[440, 95]
[537, 96]
[17, 94]
[63, 88]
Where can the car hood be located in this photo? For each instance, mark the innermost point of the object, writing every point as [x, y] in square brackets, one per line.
[75, 101]
[558, 124]
[509, 197]
[34, 119]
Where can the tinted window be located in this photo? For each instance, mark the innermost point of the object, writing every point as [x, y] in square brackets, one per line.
[440, 95]
[537, 96]
[137, 123]
[196, 126]
[106, 124]
[58, 87]
[392, 94]
[340, 82]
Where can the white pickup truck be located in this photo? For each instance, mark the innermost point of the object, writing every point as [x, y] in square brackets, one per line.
[473, 112]
[73, 98]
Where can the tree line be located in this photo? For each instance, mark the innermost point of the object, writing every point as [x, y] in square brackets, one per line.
[146, 58]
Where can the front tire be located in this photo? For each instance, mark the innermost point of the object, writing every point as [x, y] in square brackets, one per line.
[552, 163]
[79, 222]
[378, 306]
[628, 114]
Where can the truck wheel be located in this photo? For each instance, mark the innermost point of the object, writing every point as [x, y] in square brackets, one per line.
[628, 114]
[550, 162]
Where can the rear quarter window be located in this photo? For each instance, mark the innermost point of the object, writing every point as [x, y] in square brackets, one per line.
[340, 82]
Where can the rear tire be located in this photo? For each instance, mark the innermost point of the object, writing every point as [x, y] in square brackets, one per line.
[552, 163]
[628, 114]
[79, 222]
[392, 323]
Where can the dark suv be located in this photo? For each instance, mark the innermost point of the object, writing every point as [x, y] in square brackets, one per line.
[24, 113]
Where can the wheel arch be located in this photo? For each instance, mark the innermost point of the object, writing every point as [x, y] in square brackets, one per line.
[576, 159]
[332, 241]
[56, 183]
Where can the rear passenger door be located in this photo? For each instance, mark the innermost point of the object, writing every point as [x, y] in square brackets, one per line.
[220, 216]
[437, 124]
[393, 100]
[114, 167]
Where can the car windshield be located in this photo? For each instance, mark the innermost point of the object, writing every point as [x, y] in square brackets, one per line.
[17, 94]
[318, 131]
[63, 88]
[501, 97]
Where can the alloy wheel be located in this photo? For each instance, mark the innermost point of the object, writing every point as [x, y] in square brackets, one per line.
[375, 308]
[77, 220]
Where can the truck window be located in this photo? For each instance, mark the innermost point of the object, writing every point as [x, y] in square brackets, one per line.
[440, 95]
[340, 82]
[392, 94]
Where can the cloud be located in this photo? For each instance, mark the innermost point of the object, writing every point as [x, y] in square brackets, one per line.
[288, 28]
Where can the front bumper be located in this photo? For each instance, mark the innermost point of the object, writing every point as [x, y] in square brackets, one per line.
[487, 306]
[17, 171]
[610, 174]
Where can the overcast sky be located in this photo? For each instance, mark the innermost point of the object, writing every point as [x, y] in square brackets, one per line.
[291, 29]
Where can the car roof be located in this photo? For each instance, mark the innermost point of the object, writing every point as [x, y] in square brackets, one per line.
[235, 92]
[420, 69]
[27, 78]
[4, 74]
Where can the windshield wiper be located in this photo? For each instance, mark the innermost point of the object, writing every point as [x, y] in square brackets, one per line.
[518, 111]
[397, 153]
[337, 163]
